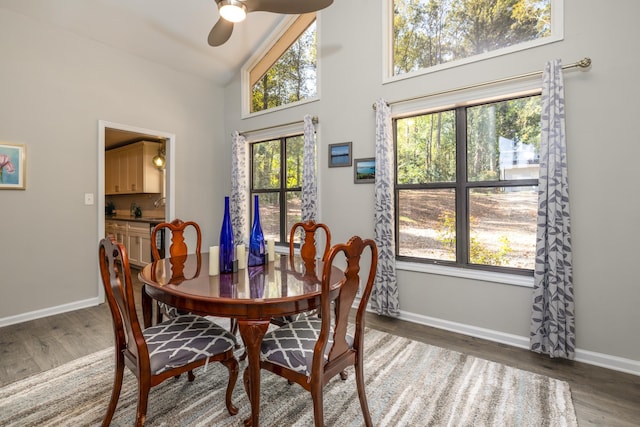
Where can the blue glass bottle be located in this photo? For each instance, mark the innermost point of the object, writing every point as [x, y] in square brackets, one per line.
[227, 246]
[256, 240]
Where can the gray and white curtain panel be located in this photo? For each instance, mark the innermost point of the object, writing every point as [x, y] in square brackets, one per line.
[384, 296]
[238, 202]
[309, 180]
[553, 320]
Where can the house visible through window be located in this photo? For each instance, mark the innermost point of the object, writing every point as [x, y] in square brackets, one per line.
[428, 33]
[466, 185]
[287, 72]
[276, 177]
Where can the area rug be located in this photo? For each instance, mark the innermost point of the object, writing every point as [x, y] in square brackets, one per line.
[408, 384]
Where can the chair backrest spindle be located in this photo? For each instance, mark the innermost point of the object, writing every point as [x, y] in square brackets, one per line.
[178, 246]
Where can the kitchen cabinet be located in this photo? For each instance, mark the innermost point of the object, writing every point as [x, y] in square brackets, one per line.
[139, 243]
[129, 169]
[136, 238]
[116, 228]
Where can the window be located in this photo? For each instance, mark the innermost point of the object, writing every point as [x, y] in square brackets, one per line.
[286, 73]
[431, 33]
[466, 185]
[276, 177]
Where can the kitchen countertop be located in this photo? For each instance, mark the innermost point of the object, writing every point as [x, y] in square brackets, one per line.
[151, 220]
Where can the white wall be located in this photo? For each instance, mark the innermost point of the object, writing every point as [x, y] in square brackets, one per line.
[54, 87]
[603, 151]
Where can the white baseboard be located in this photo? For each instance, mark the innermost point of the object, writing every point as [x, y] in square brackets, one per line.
[590, 357]
[593, 358]
[38, 314]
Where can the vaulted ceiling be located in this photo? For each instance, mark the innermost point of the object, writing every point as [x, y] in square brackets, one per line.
[168, 32]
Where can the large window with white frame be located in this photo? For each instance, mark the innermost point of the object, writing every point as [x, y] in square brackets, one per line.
[466, 185]
[428, 35]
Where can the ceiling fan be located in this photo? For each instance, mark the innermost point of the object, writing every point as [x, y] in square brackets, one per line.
[236, 10]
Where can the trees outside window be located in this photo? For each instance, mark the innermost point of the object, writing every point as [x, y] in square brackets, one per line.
[276, 177]
[427, 33]
[290, 76]
[466, 185]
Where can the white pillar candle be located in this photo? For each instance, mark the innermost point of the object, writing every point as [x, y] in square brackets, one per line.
[242, 257]
[214, 260]
[271, 250]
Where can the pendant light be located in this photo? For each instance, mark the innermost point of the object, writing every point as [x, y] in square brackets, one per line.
[160, 160]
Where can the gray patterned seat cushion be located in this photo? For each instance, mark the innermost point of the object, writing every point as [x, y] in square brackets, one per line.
[291, 345]
[185, 339]
[169, 311]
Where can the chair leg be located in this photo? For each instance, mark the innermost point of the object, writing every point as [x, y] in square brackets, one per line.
[143, 399]
[233, 328]
[117, 386]
[318, 408]
[191, 376]
[245, 382]
[362, 395]
[233, 367]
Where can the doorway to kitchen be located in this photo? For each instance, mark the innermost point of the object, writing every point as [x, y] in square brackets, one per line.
[160, 203]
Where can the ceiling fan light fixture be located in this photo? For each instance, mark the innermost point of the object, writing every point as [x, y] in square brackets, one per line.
[232, 10]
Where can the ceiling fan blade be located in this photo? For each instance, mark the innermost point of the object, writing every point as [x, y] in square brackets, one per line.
[286, 6]
[220, 32]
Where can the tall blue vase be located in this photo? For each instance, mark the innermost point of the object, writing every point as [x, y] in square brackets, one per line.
[256, 240]
[227, 246]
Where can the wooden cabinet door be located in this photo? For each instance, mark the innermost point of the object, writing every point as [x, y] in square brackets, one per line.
[129, 169]
[134, 171]
[113, 172]
[139, 243]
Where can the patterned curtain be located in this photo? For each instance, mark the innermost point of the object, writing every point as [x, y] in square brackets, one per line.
[238, 202]
[552, 320]
[309, 183]
[384, 297]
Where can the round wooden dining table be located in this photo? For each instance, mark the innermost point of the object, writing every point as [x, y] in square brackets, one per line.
[252, 296]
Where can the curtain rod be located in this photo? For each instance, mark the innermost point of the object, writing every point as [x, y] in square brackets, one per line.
[314, 120]
[583, 63]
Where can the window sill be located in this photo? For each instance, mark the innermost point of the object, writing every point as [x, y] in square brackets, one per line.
[486, 276]
[246, 114]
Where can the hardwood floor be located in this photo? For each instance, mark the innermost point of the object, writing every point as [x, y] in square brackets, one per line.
[601, 397]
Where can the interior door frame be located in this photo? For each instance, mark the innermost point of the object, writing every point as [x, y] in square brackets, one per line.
[170, 183]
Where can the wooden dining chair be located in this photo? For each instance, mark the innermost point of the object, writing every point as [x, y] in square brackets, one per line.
[178, 247]
[166, 350]
[310, 231]
[312, 350]
[308, 245]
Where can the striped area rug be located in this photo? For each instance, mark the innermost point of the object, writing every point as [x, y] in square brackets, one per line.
[408, 384]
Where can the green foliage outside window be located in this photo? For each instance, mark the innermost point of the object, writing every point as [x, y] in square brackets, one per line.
[481, 161]
[478, 253]
[292, 78]
[278, 183]
[432, 32]
[426, 144]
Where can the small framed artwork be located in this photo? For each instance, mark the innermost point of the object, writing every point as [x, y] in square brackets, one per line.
[364, 170]
[340, 155]
[12, 167]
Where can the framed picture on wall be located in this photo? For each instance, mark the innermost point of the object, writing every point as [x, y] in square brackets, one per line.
[12, 167]
[340, 155]
[364, 170]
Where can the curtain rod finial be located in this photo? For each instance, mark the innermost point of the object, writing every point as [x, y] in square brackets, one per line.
[584, 62]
